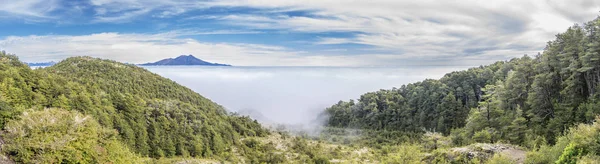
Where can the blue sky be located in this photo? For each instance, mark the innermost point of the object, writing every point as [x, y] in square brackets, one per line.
[290, 32]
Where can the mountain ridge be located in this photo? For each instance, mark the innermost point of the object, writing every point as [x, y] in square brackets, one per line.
[50, 63]
[183, 60]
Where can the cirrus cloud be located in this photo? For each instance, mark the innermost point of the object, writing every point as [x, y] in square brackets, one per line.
[460, 31]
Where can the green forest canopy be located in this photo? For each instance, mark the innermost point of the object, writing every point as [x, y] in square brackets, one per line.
[517, 101]
[153, 116]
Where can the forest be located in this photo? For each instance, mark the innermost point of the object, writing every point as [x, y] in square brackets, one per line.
[152, 116]
[88, 110]
[529, 101]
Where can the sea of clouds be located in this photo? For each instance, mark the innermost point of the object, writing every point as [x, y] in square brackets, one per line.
[291, 95]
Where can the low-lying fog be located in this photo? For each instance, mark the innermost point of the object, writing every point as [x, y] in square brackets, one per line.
[291, 95]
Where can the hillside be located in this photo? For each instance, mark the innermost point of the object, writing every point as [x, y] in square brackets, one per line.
[153, 116]
[111, 112]
[183, 60]
[527, 101]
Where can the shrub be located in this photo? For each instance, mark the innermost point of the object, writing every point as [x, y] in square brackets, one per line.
[406, 153]
[60, 136]
[499, 159]
[580, 141]
[482, 136]
[570, 154]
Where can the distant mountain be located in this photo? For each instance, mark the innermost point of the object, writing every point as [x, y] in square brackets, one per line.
[184, 60]
[41, 64]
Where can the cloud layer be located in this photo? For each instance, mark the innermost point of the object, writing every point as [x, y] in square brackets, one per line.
[290, 95]
[454, 32]
[141, 48]
[137, 48]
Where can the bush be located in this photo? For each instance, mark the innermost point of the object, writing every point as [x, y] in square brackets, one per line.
[582, 140]
[499, 159]
[570, 154]
[60, 136]
[482, 136]
[406, 153]
[273, 157]
[459, 137]
[589, 159]
[321, 160]
[252, 143]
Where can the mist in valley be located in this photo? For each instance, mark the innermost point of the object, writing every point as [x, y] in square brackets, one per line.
[291, 96]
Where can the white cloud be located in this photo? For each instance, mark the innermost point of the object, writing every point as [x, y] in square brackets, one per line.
[119, 11]
[417, 29]
[141, 48]
[427, 28]
[334, 41]
[29, 8]
[121, 18]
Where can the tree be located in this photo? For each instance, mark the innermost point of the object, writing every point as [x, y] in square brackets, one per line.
[61, 102]
[590, 61]
[517, 130]
[450, 111]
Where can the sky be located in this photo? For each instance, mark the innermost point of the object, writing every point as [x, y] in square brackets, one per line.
[288, 32]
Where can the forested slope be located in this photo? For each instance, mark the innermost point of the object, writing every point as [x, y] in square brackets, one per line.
[525, 101]
[153, 115]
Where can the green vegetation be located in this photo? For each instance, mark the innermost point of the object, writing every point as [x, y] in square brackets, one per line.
[582, 142]
[60, 136]
[525, 101]
[153, 116]
[88, 110]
